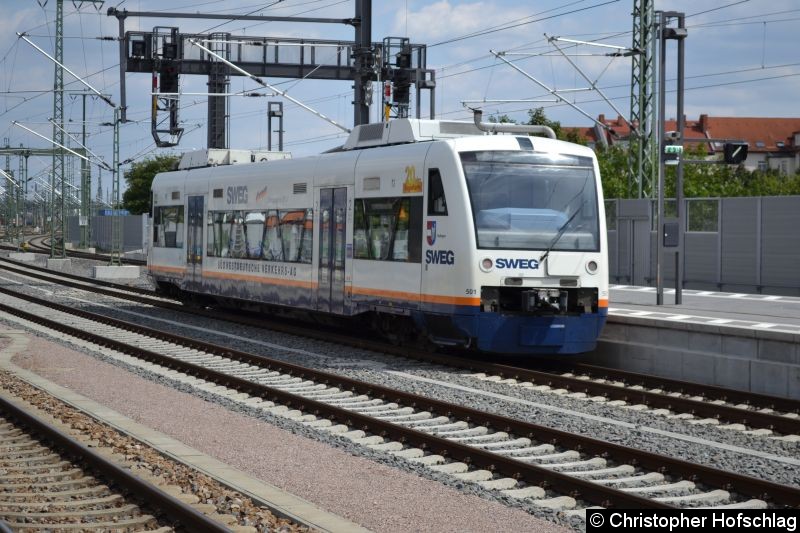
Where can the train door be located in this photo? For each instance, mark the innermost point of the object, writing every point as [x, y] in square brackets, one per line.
[194, 239]
[332, 246]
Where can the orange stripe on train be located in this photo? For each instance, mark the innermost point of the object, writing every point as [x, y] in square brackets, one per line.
[417, 297]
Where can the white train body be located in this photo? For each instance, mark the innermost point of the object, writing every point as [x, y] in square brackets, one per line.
[408, 225]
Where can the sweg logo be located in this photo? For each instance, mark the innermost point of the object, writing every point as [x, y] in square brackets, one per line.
[440, 257]
[237, 195]
[530, 264]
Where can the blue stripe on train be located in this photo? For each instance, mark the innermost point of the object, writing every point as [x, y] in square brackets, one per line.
[494, 332]
[513, 334]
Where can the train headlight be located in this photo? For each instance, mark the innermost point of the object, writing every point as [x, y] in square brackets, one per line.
[591, 266]
[486, 264]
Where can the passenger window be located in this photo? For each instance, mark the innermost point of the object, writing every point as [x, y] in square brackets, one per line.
[272, 246]
[437, 205]
[237, 247]
[168, 227]
[273, 235]
[388, 229]
[254, 230]
[219, 231]
[295, 229]
[360, 244]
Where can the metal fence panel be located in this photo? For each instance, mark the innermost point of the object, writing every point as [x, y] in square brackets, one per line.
[613, 250]
[132, 232]
[701, 259]
[780, 242]
[740, 224]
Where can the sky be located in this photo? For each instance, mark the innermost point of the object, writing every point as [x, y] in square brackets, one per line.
[741, 61]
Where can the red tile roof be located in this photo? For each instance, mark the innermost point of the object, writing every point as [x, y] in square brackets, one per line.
[766, 132]
[754, 130]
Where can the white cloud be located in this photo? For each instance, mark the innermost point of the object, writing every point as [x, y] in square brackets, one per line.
[444, 20]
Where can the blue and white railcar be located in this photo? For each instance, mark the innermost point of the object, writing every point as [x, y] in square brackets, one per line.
[429, 228]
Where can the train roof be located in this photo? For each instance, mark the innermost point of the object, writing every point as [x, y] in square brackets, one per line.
[407, 130]
[463, 135]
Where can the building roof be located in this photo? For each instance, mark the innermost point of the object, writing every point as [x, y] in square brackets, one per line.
[762, 134]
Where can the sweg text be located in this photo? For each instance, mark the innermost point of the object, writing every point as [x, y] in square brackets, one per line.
[440, 257]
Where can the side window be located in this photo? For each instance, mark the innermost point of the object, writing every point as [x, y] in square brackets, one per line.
[254, 231]
[218, 233]
[360, 229]
[437, 205]
[388, 229]
[168, 227]
[307, 237]
[271, 244]
[292, 229]
[237, 247]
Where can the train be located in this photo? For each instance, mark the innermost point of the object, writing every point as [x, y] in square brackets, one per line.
[424, 230]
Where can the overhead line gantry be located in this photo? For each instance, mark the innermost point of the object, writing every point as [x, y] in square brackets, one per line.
[167, 54]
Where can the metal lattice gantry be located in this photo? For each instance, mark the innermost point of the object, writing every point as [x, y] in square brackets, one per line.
[58, 206]
[10, 186]
[58, 220]
[642, 165]
[20, 204]
[166, 54]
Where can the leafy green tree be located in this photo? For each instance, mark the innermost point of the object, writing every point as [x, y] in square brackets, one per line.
[613, 163]
[137, 198]
[501, 119]
[537, 117]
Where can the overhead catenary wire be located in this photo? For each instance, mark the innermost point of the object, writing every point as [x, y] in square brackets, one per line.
[518, 24]
[321, 4]
[100, 163]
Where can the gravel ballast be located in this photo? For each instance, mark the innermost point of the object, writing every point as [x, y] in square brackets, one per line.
[375, 495]
[371, 367]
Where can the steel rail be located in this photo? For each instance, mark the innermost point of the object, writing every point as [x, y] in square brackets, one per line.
[562, 483]
[46, 274]
[176, 510]
[86, 255]
[706, 409]
[687, 387]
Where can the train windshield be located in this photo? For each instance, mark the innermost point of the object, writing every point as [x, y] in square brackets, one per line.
[525, 200]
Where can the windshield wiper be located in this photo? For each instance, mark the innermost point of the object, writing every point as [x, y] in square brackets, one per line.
[560, 232]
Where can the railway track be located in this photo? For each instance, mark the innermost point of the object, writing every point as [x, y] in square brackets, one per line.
[38, 244]
[701, 404]
[51, 481]
[522, 460]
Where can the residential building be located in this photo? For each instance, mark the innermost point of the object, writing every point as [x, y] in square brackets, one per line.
[773, 142]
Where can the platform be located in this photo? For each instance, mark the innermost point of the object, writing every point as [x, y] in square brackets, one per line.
[742, 341]
[767, 312]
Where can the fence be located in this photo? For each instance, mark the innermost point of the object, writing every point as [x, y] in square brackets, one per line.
[134, 232]
[731, 244]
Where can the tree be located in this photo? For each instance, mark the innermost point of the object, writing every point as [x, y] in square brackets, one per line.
[700, 180]
[613, 163]
[501, 119]
[137, 197]
[537, 117]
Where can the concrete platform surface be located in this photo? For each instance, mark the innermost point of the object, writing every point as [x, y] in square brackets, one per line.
[748, 342]
[115, 272]
[58, 264]
[22, 256]
[766, 312]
